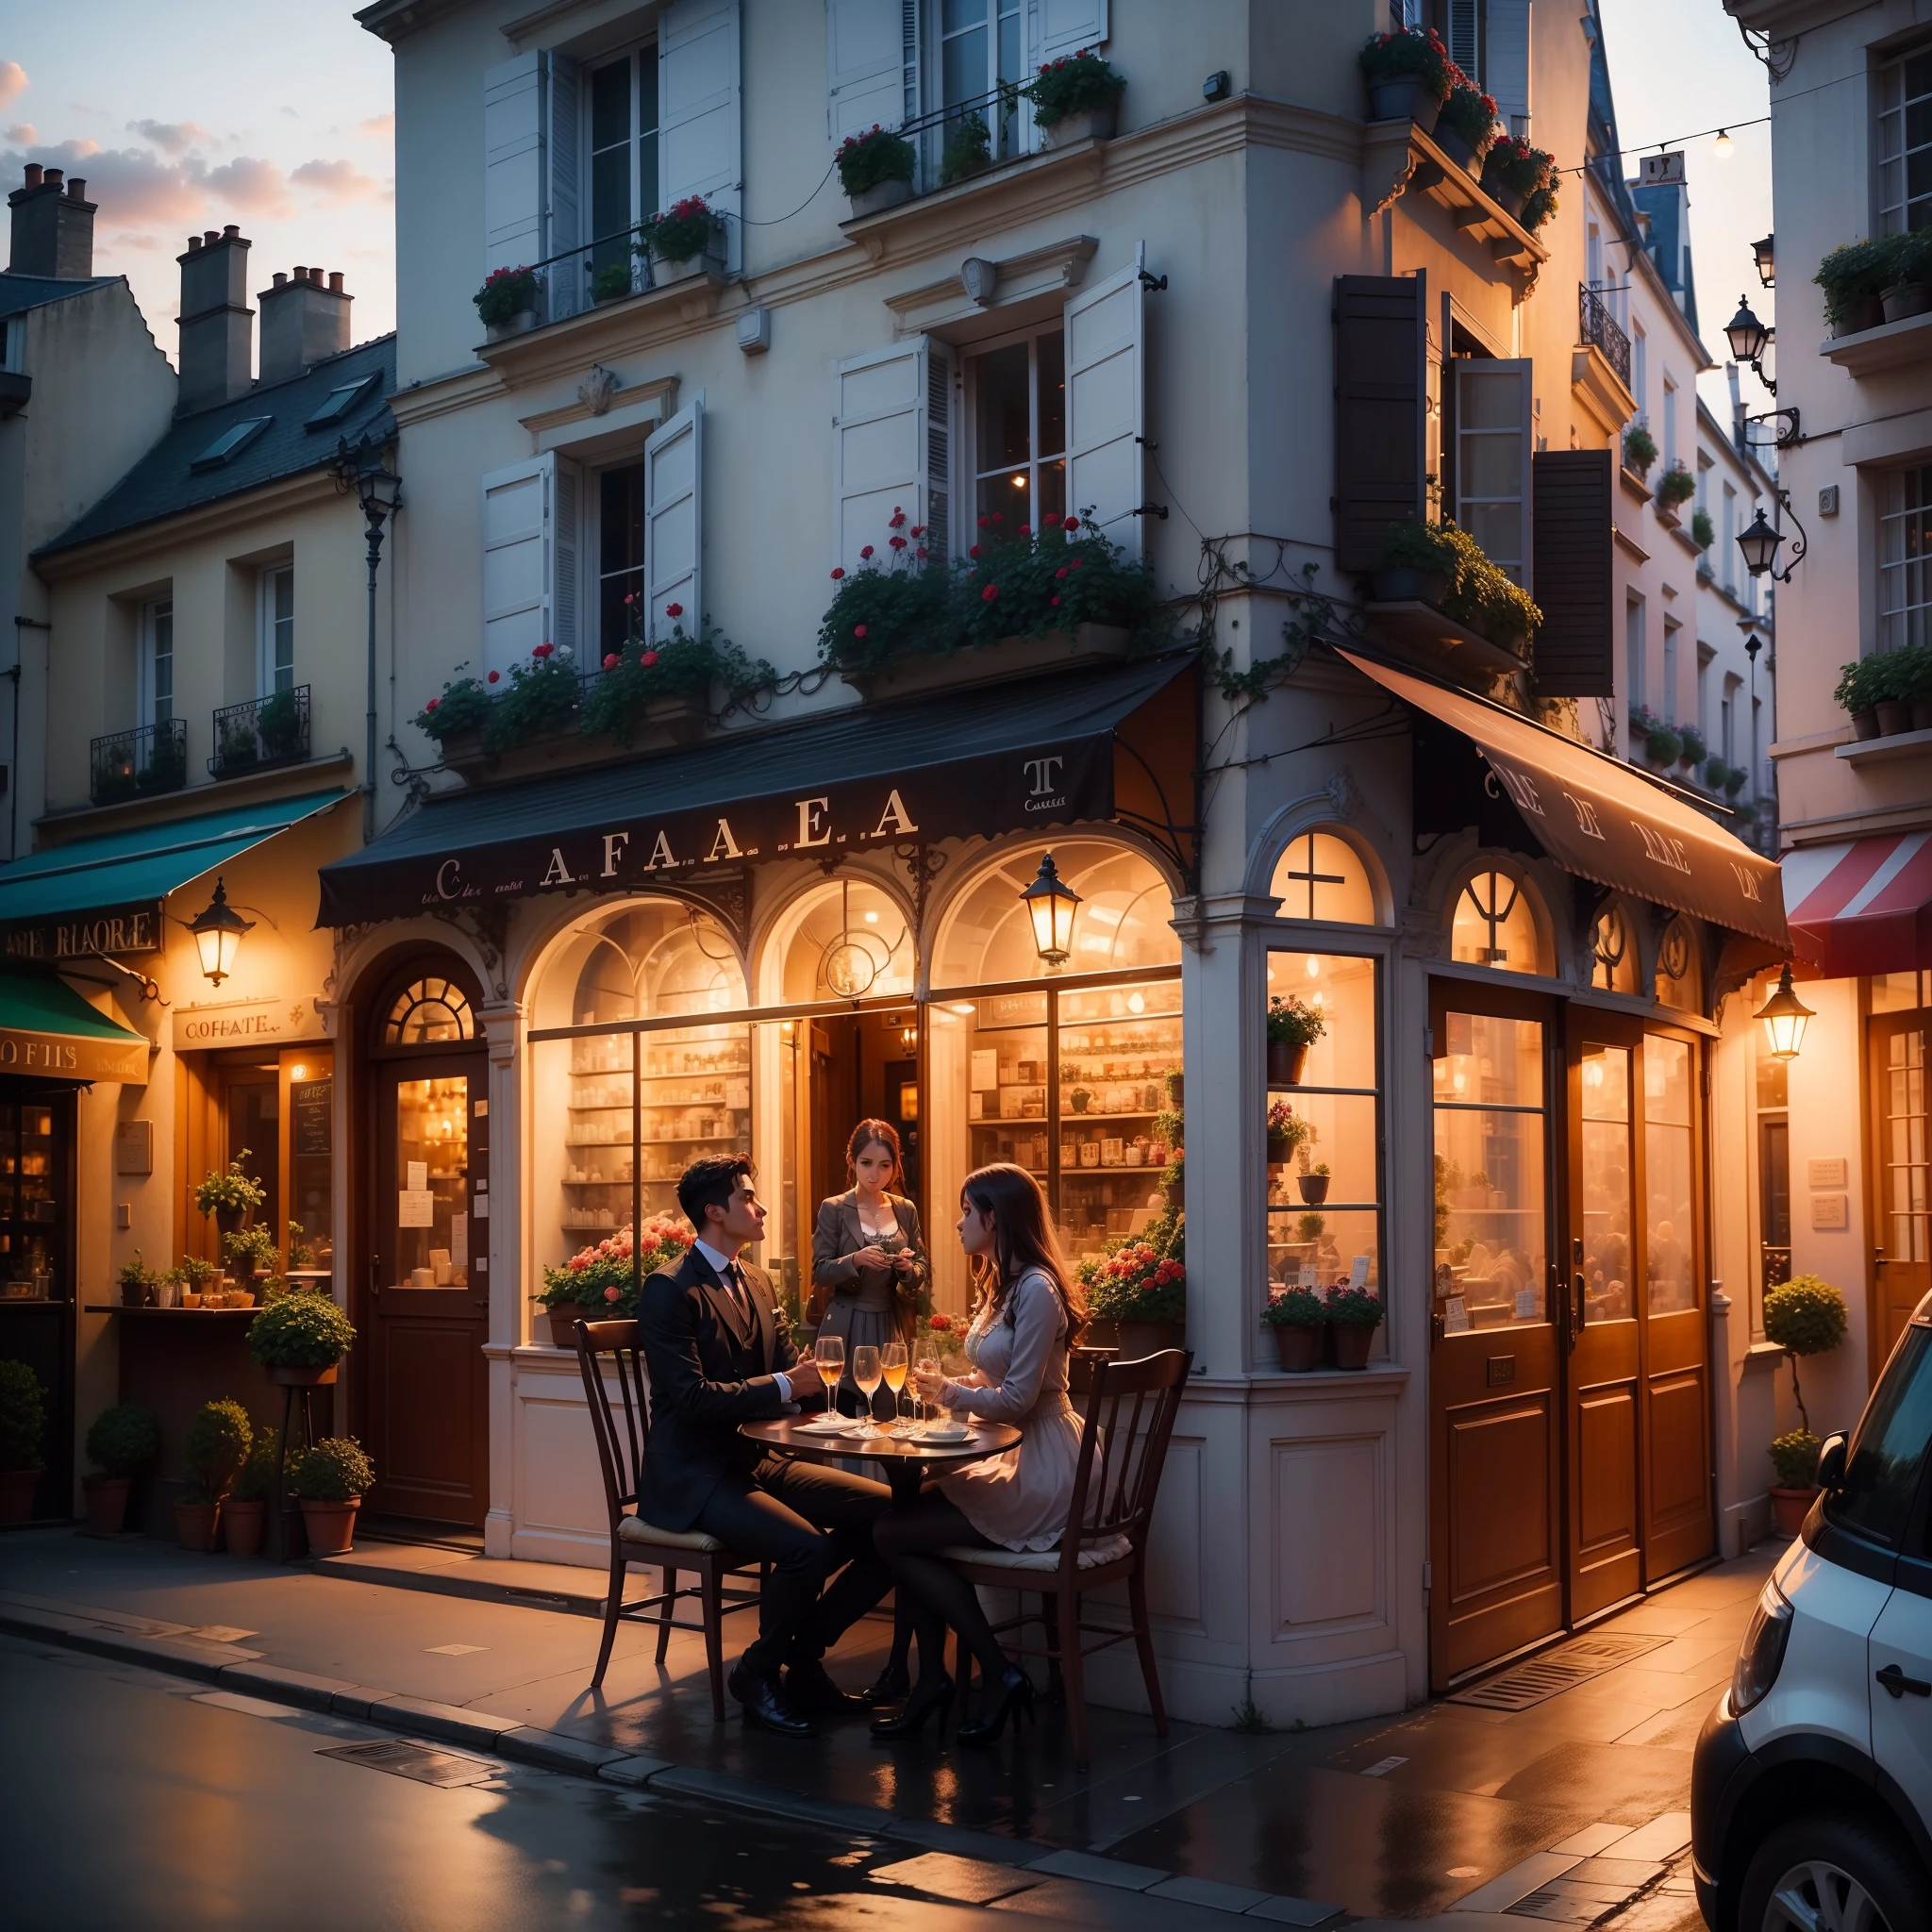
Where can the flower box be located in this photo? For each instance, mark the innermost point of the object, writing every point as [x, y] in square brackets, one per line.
[1016, 657]
[878, 197]
[681, 719]
[519, 323]
[665, 274]
[1405, 97]
[1083, 123]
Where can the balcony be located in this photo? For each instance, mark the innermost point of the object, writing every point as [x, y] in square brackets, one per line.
[1600, 364]
[139, 763]
[263, 733]
[1598, 327]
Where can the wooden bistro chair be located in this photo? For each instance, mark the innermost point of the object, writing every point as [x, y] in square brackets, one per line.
[622, 1421]
[1129, 1409]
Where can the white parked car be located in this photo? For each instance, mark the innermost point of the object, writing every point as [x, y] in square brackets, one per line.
[1811, 1792]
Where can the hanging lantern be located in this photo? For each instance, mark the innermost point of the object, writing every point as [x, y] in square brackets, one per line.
[1050, 906]
[1759, 545]
[1746, 335]
[1764, 253]
[1784, 1015]
[218, 935]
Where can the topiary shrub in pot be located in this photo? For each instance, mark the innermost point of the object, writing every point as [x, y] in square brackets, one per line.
[218, 1444]
[1803, 1316]
[1296, 1317]
[120, 1443]
[22, 1424]
[330, 1481]
[299, 1339]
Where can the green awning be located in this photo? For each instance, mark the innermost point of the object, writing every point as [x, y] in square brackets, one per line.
[48, 1030]
[136, 868]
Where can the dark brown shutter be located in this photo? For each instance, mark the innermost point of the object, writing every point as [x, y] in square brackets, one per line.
[1381, 343]
[1571, 579]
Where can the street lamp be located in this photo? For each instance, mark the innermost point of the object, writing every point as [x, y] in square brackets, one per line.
[1748, 337]
[1050, 905]
[218, 935]
[379, 490]
[1760, 543]
[1762, 253]
[1784, 1015]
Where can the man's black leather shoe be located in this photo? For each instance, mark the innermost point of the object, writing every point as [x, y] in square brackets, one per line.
[765, 1705]
[808, 1689]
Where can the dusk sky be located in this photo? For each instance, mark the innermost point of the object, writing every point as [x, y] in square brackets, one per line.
[185, 117]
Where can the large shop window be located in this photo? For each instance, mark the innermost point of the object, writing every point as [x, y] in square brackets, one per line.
[1064, 1074]
[1324, 1133]
[625, 1062]
[1772, 1095]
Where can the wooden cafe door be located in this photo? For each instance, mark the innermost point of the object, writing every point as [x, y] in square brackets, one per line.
[426, 1399]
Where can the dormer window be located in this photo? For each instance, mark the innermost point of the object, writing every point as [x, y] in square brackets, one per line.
[230, 443]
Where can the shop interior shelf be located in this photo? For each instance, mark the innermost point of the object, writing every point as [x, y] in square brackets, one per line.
[1302, 1086]
[1325, 1207]
[169, 1315]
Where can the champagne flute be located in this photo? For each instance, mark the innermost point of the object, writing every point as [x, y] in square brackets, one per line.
[868, 1371]
[828, 1351]
[928, 1364]
[893, 1363]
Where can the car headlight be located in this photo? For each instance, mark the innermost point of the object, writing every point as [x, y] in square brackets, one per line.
[1763, 1649]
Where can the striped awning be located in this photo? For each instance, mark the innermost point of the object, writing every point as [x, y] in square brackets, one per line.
[1864, 907]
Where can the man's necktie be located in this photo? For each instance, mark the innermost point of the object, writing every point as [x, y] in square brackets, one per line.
[734, 1277]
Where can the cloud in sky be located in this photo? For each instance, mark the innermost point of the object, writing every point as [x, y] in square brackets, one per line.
[379, 127]
[338, 181]
[135, 184]
[12, 82]
[23, 134]
[171, 135]
[249, 183]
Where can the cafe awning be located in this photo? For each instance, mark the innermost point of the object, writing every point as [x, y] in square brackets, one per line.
[1603, 820]
[102, 895]
[48, 1031]
[1862, 907]
[1018, 756]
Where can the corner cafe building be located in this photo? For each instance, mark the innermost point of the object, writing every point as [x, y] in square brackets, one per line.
[553, 994]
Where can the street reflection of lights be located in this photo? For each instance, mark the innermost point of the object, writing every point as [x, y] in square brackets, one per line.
[1019, 482]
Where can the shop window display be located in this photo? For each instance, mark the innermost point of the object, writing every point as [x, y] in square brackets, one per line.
[1606, 1156]
[34, 1159]
[1667, 1159]
[1494, 924]
[1324, 1170]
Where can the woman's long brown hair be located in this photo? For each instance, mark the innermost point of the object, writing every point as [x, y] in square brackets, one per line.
[1022, 1240]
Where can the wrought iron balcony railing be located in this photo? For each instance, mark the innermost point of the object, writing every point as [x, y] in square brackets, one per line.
[134, 764]
[264, 731]
[1596, 324]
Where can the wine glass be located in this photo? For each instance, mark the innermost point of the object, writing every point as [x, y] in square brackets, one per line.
[927, 1364]
[892, 1364]
[868, 1371]
[828, 1351]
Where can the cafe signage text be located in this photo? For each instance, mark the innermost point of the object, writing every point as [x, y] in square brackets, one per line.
[116, 931]
[71, 1055]
[245, 1023]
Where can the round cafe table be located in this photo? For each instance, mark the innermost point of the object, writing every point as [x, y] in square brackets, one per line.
[903, 1462]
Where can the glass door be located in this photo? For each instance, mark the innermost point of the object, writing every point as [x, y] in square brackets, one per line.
[1901, 1174]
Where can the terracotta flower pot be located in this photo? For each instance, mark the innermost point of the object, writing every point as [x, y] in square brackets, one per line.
[1904, 299]
[1789, 1507]
[1351, 1345]
[1314, 1188]
[285, 1377]
[17, 1486]
[1139, 1338]
[1280, 1149]
[1300, 1349]
[1865, 723]
[1285, 1063]
[1894, 716]
[243, 1524]
[1174, 1193]
[196, 1525]
[229, 1220]
[331, 1527]
[564, 1316]
[107, 1504]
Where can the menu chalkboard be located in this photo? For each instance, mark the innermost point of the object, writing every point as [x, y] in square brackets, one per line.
[312, 1104]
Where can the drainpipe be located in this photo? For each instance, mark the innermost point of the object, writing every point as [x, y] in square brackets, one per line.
[20, 624]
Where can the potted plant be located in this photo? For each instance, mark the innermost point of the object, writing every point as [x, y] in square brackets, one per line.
[245, 1513]
[167, 766]
[611, 282]
[1142, 1289]
[1466, 129]
[230, 1196]
[1417, 563]
[507, 303]
[1410, 74]
[1639, 449]
[1692, 749]
[600, 1283]
[1081, 1099]
[967, 149]
[330, 1481]
[1852, 276]
[1909, 259]
[23, 1421]
[1354, 1315]
[196, 1277]
[876, 170]
[278, 725]
[685, 240]
[1174, 1187]
[1298, 1317]
[1703, 531]
[299, 1339]
[121, 1442]
[138, 1283]
[1804, 1315]
[1485, 598]
[1662, 744]
[251, 1252]
[1077, 98]
[1293, 1026]
[1677, 486]
[1513, 171]
[218, 1441]
[1314, 1182]
[1287, 1131]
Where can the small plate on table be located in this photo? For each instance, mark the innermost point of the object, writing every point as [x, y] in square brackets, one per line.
[828, 1425]
[946, 1434]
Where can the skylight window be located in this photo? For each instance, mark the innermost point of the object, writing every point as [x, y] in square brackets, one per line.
[230, 443]
[338, 404]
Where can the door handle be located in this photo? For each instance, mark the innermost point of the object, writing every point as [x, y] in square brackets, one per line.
[1897, 1683]
[1578, 1291]
[375, 1275]
[480, 1302]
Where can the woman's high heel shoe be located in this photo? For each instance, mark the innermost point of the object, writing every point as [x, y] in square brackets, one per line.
[889, 1686]
[930, 1694]
[1015, 1695]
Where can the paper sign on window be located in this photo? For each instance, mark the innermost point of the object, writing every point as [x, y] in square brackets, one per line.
[1526, 1308]
[415, 1208]
[418, 1175]
[481, 1208]
[1359, 1271]
[986, 1068]
[1455, 1316]
[458, 1238]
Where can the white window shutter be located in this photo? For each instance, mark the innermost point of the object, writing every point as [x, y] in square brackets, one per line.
[513, 184]
[673, 523]
[871, 64]
[1064, 26]
[882, 440]
[1493, 437]
[568, 280]
[938, 498]
[1506, 60]
[1106, 405]
[700, 142]
[532, 515]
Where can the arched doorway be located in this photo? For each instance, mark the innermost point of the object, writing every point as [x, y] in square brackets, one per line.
[426, 1307]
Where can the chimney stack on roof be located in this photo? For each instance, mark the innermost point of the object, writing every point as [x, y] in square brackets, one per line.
[53, 226]
[216, 321]
[304, 321]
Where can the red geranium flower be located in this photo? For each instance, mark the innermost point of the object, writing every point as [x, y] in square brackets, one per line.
[1055, 603]
[1059, 573]
[859, 630]
[494, 675]
[1025, 529]
[866, 552]
[987, 595]
[898, 543]
[984, 522]
[630, 597]
[611, 1294]
[922, 553]
[897, 519]
[611, 663]
[837, 573]
[649, 659]
[975, 551]
[674, 610]
[1073, 523]
[432, 703]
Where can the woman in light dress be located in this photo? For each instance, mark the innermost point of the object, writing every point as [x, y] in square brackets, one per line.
[1030, 1313]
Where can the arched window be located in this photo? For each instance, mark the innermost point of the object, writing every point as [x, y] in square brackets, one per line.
[1494, 924]
[1612, 951]
[1322, 876]
[1680, 980]
[846, 939]
[647, 960]
[427, 1011]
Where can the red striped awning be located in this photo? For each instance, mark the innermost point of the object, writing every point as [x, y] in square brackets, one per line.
[1862, 908]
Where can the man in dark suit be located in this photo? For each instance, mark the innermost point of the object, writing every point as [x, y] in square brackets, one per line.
[717, 1357]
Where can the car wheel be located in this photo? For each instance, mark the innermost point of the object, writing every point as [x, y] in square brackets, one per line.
[1832, 1875]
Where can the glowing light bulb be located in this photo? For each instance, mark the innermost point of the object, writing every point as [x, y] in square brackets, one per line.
[1136, 1003]
[1461, 1081]
[871, 919]
[1314, 967]
[1722, 146]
